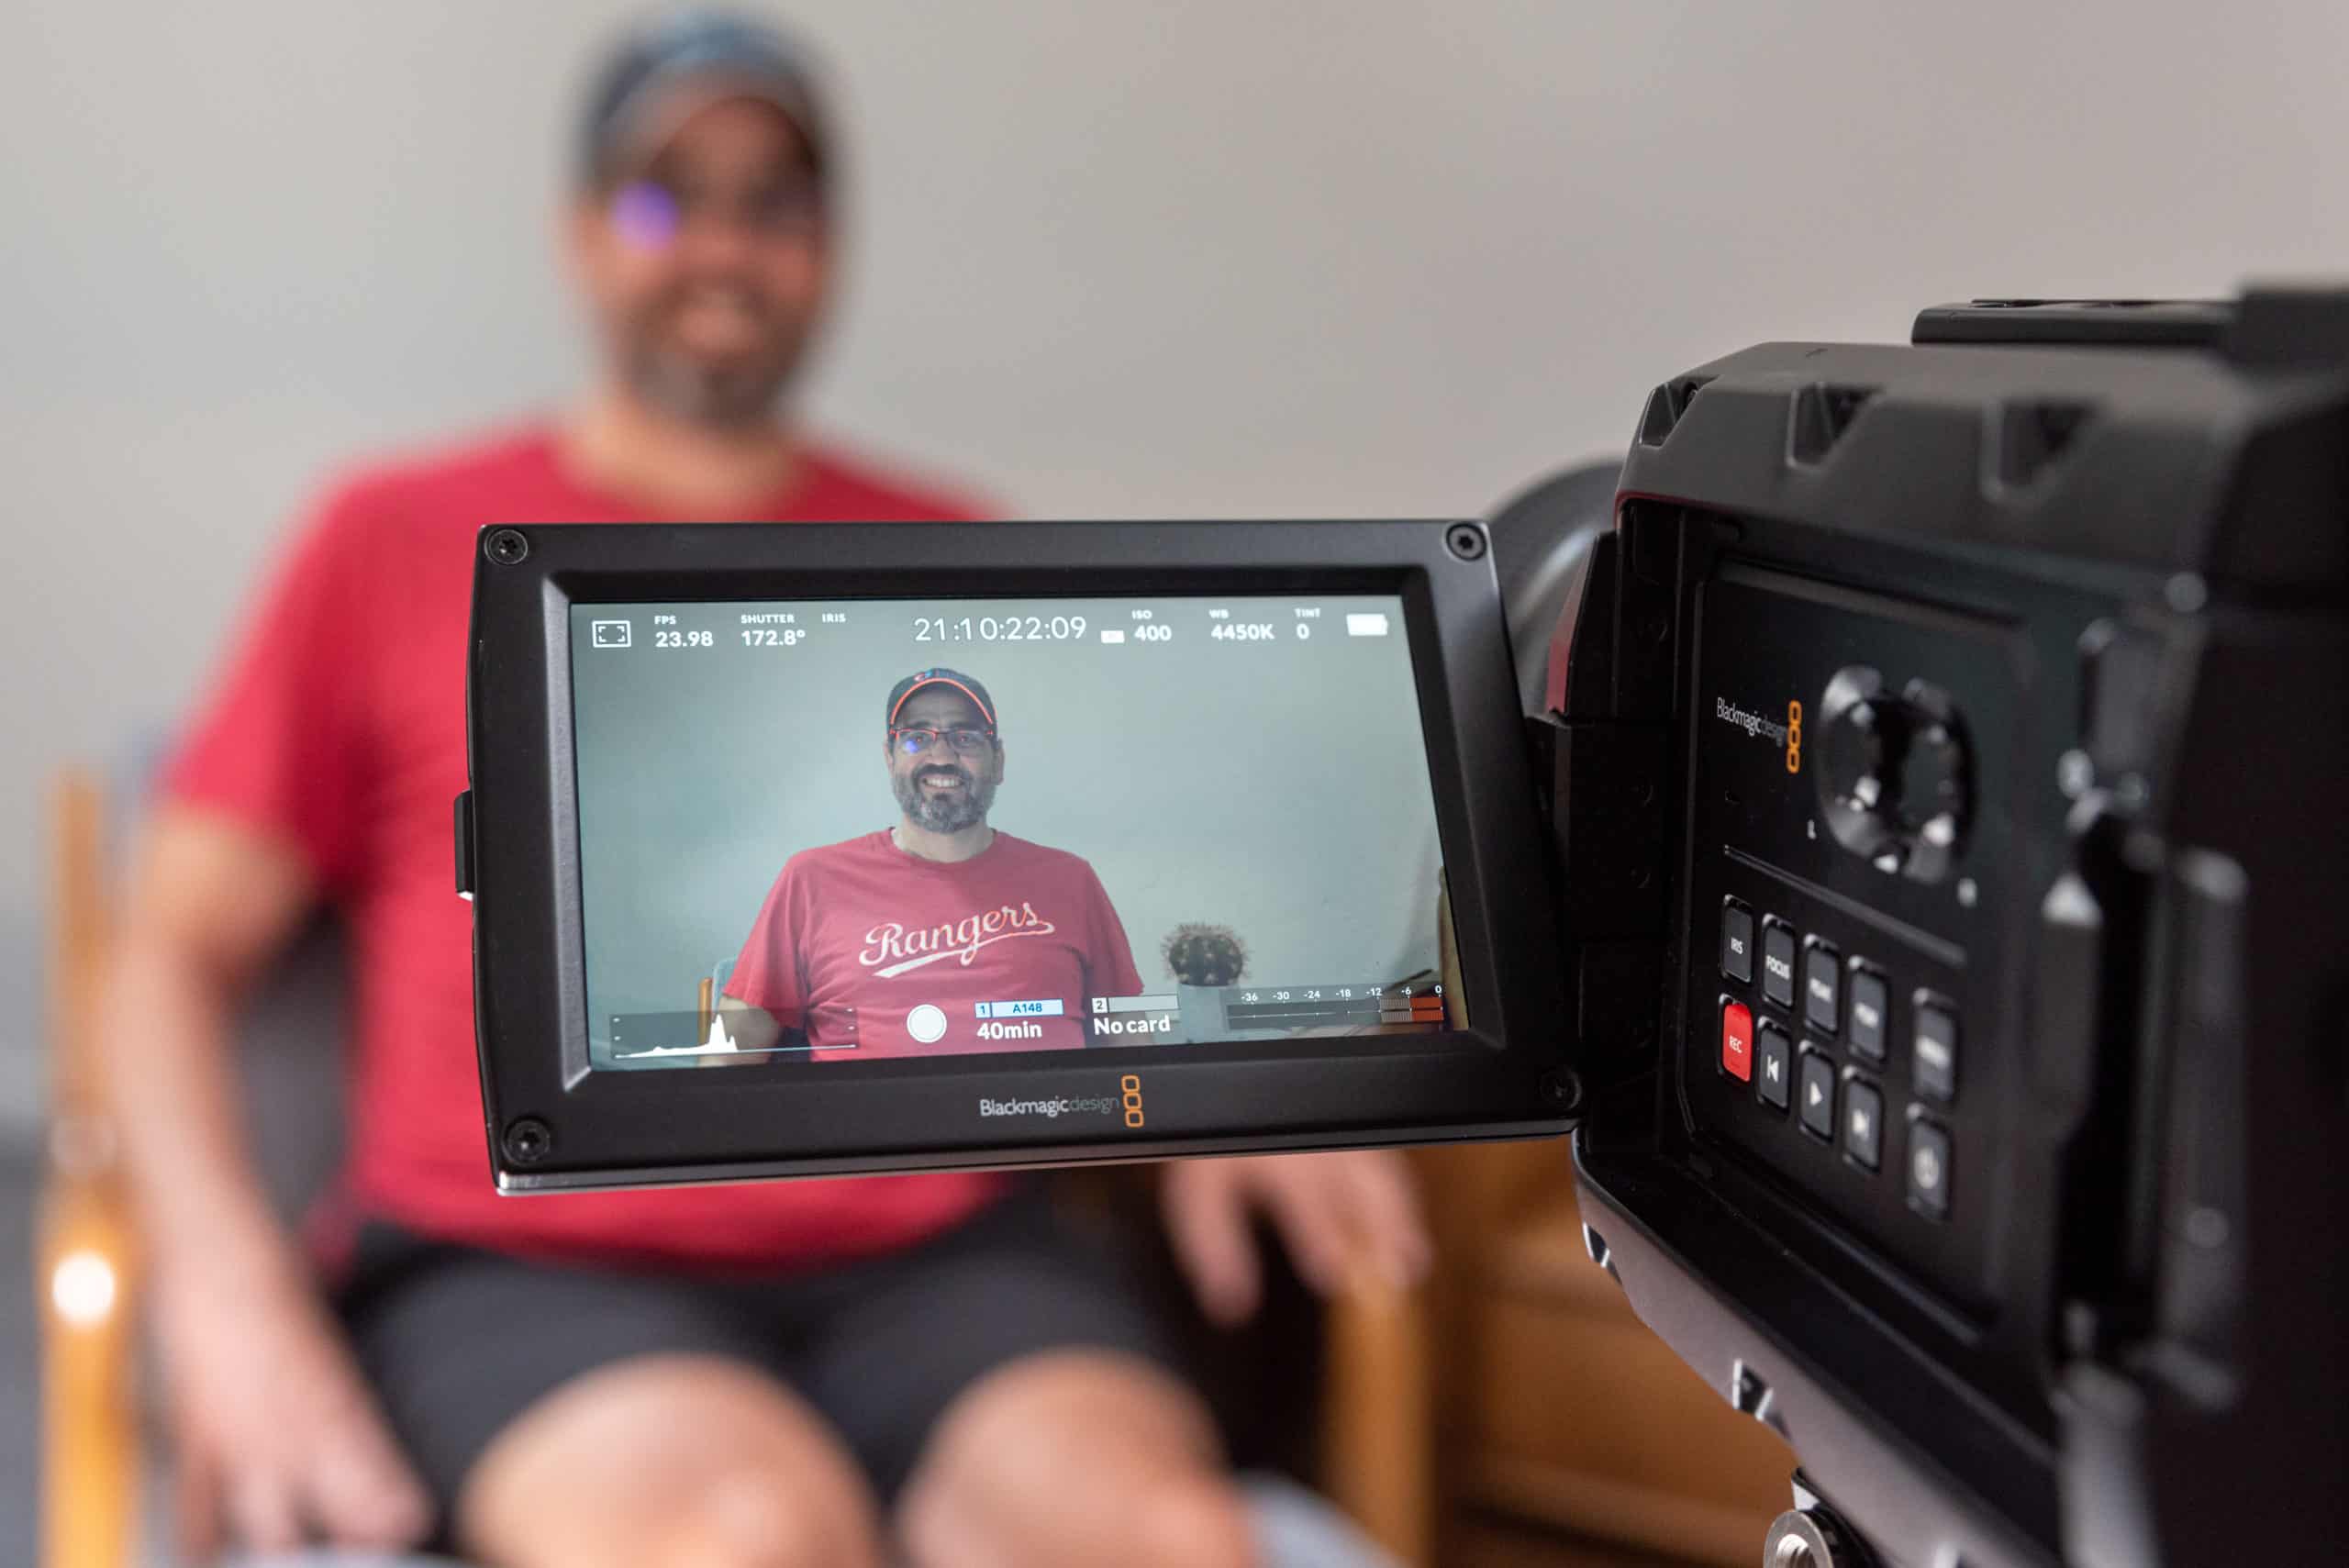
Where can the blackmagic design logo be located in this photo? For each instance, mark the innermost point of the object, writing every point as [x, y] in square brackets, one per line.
[1054, 1106]
[1731, 713]
[1786, 734]
[1050, 1110]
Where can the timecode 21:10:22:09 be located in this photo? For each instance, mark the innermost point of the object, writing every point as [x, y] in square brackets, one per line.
[998, 629]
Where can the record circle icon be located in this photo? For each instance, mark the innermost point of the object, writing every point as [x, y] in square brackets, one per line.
[926, 1024]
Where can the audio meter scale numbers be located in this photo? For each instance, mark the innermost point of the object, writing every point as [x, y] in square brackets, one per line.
[1334, 1006]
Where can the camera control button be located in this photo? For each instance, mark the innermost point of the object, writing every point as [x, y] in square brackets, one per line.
[1821, 987]
[1928, 1168]
[1737, 941]
[1936, 1046]
[1774, 1065]
[1737, 1041]
[1778, 962]
[1817, 1094]
[1866, 999]
[1862, 1124]
[464, 833]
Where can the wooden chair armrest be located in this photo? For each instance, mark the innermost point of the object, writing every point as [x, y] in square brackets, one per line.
[1378, 1417]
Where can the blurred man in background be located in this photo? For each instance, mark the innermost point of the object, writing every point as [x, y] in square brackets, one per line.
[806, 1373]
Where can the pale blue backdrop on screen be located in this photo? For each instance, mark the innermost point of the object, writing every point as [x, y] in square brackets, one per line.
[1279, 786]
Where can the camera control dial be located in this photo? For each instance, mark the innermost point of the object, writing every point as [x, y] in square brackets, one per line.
[1893, 774]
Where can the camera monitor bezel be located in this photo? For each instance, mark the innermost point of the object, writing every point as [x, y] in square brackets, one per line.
[554, 1122]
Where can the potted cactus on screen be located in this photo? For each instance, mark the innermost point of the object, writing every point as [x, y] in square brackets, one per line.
[1203, 958]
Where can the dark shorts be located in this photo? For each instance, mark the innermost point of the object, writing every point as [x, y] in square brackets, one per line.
[458, 1341]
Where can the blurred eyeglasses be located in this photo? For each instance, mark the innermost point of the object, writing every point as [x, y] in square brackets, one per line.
[653, 212]
[916, 741]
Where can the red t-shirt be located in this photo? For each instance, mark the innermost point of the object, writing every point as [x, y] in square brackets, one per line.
[877, 953]
[339, 727]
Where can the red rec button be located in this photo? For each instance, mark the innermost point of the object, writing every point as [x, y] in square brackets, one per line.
[1737, 1041]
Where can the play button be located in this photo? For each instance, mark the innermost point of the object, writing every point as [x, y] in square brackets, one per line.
[1817, 1076]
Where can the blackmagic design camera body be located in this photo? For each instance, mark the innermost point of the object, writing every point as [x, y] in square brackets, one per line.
[1915, 876]
[1948, 761]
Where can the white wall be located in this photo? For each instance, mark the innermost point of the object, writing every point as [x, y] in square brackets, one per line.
[1226, 256]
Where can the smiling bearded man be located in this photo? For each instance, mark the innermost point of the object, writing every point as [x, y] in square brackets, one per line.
[883, 945]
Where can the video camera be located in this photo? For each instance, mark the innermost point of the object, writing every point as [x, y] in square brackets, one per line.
[1915, 886]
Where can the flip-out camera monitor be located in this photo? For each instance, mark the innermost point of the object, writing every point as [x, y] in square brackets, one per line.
[805, 849]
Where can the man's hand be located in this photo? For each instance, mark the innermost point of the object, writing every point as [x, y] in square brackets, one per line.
[1345, 1218]
[279, 1443]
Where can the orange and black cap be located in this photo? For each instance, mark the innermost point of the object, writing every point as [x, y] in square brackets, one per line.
[942, 677]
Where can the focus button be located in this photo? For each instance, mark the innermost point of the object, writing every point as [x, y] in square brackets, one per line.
[1778, 962]
[1737, 1041]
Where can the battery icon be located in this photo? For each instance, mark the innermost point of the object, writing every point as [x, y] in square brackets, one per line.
[1371, 625]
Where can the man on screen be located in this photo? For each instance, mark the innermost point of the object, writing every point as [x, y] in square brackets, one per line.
[884, 944]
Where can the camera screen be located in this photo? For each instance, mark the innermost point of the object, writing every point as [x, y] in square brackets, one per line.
[849, 830]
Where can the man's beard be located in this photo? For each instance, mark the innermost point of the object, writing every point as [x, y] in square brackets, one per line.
[943, 813]
[743, 391]
[694, 394]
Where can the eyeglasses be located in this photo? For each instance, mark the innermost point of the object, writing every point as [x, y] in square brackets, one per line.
[651, 212]
[913, 741]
